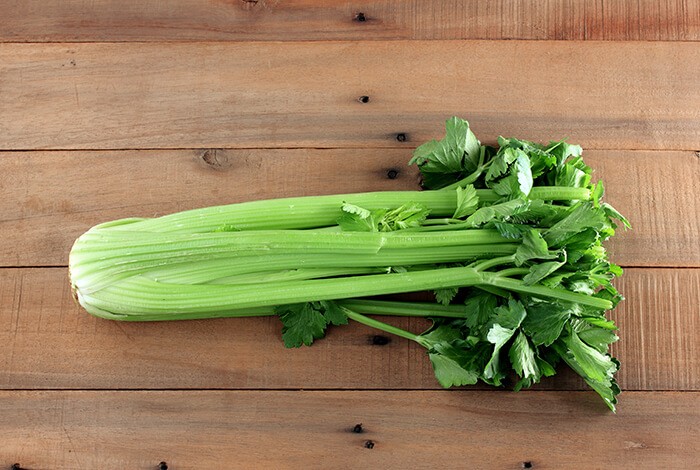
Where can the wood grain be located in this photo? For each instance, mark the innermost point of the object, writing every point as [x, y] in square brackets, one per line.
[49, 342]
[268, 20]
[639, 95]
[452, 430]
[48, 199]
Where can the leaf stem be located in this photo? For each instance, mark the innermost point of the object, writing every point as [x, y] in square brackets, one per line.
[513, 272]
[494, 262]
[406, 309]
[517, 285]
[379, 325]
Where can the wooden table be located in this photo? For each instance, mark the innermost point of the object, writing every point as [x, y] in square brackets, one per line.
[113, 109]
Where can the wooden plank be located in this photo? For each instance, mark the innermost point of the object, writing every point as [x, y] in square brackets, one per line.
[263, 20]
[205, 429]
[659, 324]
[49, 198]
[49, 342]
[642, 95]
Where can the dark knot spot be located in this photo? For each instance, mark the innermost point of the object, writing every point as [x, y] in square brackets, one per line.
[358, 428]
[392, 174]
[360, 17]
[527, 464]
[379, 340]
[16, 466]
[401, 137]
[369, 444]
[363, 99]
[215, 159]
[162, 466]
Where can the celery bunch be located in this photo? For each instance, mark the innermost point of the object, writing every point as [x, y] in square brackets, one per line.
[509, 239]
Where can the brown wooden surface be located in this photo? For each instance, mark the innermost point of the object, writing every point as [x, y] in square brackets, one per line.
[421, 430]
[272, 20]
[637, 95]
[219, 101]
[41, 221]
[49, 342]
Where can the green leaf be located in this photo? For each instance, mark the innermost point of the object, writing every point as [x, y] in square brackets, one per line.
[603, 365]
[479, 310]
[423, 155]
[472, 151]
[510, 316]
[442, 333]
[408, 215]
[562, 151]
[597, 193]
[545, 367]
[612, 213]
[498, 336]
[507, 187]
[448, 370]
[501, 162]
[358, 219]
[502, 211]
[445, 295]
[541, 271]
[333, 313]
[532, 247]
[510, 230]
[574, 174]
[448, 160]
[305, 322]
[460, 138]
[595, 365]
[523, 358]
[545, 321]
[356, 210]
[453, 365]
[583, 216]
[302, 324]
[538, 212]
[594, 336]
[615, 270]
[581, 286]
[467, 201]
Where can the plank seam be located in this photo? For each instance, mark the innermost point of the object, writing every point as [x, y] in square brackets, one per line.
[367, 147]
[370, 40]
[328, 389]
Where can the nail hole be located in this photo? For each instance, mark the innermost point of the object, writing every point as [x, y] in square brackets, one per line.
[392, 174]
[379, 340]
[401, 137]
[358, 428]
[527, 464]
[363, 99]
[369, 444]
[162, 466]
[360, 17]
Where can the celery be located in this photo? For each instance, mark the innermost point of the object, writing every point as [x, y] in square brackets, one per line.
[509, 239]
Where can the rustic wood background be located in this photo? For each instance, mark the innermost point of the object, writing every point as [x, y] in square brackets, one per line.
[130, 108]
